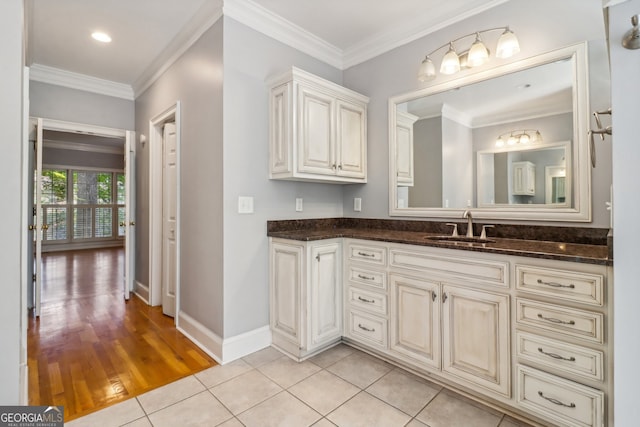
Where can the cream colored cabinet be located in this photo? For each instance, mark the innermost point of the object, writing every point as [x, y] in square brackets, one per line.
[523, 179]
[563, 375]
[415, 320]
[475, 337]
[464, 332]
[305, 295]
[318, 130]
[404, 148]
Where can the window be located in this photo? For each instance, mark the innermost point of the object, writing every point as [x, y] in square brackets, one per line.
[88, 203]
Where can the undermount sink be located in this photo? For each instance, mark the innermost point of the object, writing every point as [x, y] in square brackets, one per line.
[461, 239]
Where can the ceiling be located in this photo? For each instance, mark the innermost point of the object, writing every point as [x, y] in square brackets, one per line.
[147, 33]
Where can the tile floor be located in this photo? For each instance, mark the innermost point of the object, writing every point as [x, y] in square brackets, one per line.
[339, 387]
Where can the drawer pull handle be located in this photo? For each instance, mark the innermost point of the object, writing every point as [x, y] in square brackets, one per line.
[554, 320]
[556, 401]
[366, 254]
[365, 328]
[369, 301]
[557, 356]
[556, 285]
[366, 277]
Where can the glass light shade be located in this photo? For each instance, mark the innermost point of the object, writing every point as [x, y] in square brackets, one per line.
[478, 53]
[499, 142]
[524, 139]
[450, 62]
[427, 70]
[537, 137]
[512, 140]
[507, 44]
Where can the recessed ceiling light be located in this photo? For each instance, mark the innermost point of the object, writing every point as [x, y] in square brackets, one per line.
[101, 37]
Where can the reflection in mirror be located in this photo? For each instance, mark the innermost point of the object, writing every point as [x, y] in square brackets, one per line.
[506, 142]
[525, 176]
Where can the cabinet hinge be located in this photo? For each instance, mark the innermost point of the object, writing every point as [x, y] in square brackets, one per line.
[33, 277]
[34, 211]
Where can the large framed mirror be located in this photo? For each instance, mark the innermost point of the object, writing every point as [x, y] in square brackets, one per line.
[508, 143]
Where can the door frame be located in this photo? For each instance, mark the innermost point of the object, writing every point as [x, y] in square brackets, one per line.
[155, 204]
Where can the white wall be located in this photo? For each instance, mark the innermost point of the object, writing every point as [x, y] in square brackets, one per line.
[625, 91]
[12, 317]
[541, 26]
[78, 106]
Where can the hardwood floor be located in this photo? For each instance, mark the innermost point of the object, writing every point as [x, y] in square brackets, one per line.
[90, 348]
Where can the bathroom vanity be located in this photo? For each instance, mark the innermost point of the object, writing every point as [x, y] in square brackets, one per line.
[522, 324]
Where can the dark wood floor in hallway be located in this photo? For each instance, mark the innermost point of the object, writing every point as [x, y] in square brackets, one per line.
[90, 348]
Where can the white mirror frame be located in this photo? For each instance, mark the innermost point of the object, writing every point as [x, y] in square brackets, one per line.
[581, 212]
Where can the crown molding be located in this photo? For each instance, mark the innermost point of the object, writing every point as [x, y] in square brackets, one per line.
[56, 76]
[268, 23]
[208, 14]
[385, 41]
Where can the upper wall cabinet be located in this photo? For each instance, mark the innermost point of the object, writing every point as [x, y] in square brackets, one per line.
[318, 130]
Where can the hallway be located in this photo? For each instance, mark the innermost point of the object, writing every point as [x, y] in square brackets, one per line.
[90, 348]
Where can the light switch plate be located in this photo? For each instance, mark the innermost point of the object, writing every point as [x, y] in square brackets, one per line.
[298, 204]
[357, 204]
[245, 205]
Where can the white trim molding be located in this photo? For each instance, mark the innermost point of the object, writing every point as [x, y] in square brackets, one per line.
[266, 22]
[223, 350]
[58, 77]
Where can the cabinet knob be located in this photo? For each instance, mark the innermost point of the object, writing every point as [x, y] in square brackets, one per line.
[444, 297]
[318, 257]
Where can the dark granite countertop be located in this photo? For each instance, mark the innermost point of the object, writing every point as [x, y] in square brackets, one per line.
[589, 246]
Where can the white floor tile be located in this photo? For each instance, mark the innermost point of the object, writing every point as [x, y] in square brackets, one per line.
[116, 415]
[282, 410]
[364, 410]
[221, 373]
[245, 391]
[201, 410]
[287, 372]
[169, 394]
[324, 391]
[404, 391]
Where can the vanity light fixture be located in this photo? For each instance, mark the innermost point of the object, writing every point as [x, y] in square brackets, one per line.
[477, 54]
[524, 136]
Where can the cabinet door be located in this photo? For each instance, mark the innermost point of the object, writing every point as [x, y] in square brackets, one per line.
[316, 130]
[404, 149]
[475, 327]
[351, 139]
[325, 294]
[286, 276]
[280, 131]
[415, 320]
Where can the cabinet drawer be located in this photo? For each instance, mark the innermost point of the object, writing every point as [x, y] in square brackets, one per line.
[369, 301]
[576, 323]
[369, 329]
[364, 276]
[369, 254]
[569, 358]
[561, 284]
[491, 272]
[564, 402]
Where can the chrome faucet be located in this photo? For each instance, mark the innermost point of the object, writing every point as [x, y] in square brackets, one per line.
[467, 214]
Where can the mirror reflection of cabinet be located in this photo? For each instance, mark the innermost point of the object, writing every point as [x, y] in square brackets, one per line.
[404, 148]
[524, 179]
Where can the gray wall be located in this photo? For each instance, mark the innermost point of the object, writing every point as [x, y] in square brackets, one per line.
[250, 58]
[427, 162]
[626, 157]
[538, 30]
[12, 311]
[72, 105]
[196, 81]
[80, 159]
[224, 274]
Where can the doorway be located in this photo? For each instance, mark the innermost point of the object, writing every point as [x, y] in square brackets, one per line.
[85, 197]
[164, 211]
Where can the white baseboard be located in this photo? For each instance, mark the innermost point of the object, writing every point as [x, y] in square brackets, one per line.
[223, 351]
[204, 338]
[142, 291]
[247, 343]
[24, 384]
